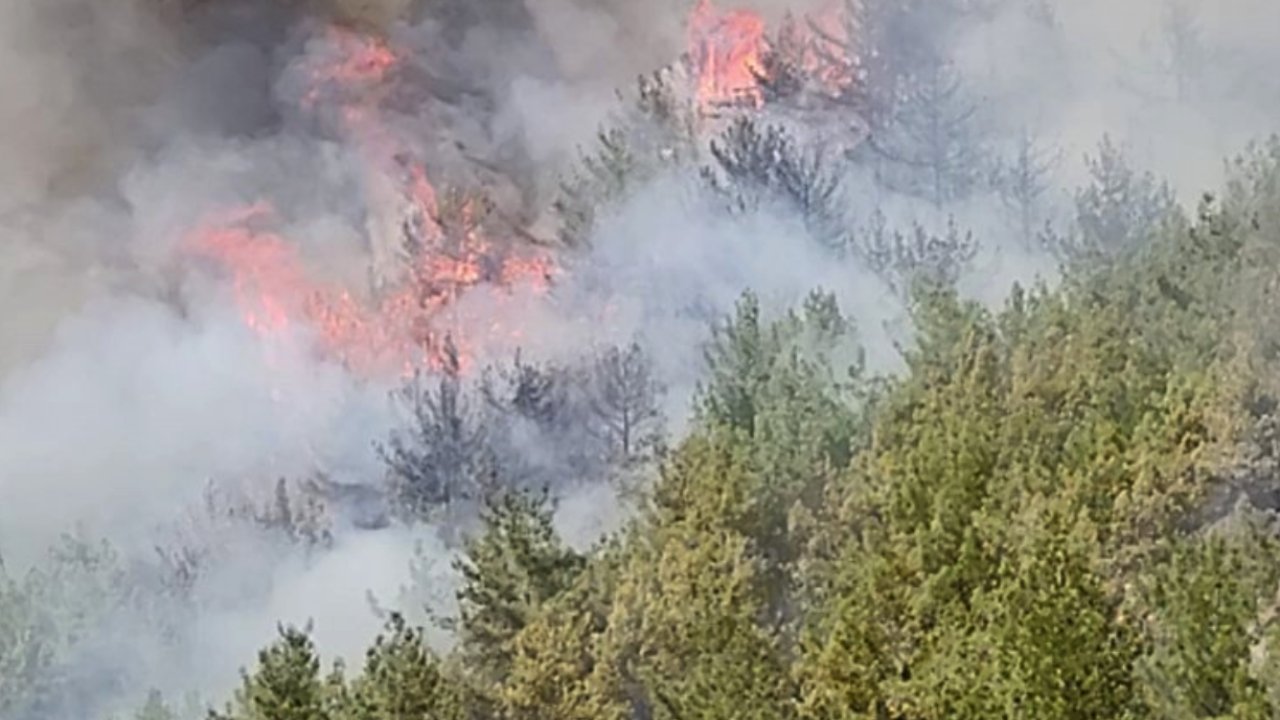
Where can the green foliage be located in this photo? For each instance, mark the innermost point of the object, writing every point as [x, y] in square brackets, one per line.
[904, 260]
[511, 569]
[45, 617]
[752, 363]
[1038, 518]
[1204, 633]
[604, 175]
[287, 684]
[1022, 181]
[1118, 212]
[654, 131]
[26, 651]
[1051, 633]
[689, 627]
[403, 680]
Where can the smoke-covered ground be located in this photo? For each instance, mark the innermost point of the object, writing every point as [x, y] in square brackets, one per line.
[131, 379]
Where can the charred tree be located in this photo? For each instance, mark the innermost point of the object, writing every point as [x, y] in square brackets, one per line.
[444, 454]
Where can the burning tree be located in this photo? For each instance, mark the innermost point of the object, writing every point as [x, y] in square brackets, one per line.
[428, 248]
[726, 50]
[802, 60]
[878, 45]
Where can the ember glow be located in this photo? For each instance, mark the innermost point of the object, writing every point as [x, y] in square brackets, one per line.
[397, 329]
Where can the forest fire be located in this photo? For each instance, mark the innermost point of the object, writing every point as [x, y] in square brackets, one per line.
[399, 333]
[401, 328]
[726, 49]
[443, 252]
[732, 54]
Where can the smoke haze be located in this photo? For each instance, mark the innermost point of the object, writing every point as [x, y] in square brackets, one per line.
[129, 380]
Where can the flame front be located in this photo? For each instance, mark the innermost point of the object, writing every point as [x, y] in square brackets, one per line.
[402, 332]
[407, 323]
[404, 328]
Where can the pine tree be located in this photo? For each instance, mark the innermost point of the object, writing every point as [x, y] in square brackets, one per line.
[1118, 212]
[445, 456]
[155, 708]
[553, 661]
[403, 680]
[509, 571]
[902, 260]
[881, 44]
[1206, 614]
[657, 129]
[689, 616]
[27, 652]
[763, 168]
[604, 175]
[1059, 651]
[624, 399]
[286, 684]
[1022, 182]
[933, 146]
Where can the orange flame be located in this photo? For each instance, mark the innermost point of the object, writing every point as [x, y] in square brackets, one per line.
[401, 331]
[726, 50]
[398, 334]
[729, 52]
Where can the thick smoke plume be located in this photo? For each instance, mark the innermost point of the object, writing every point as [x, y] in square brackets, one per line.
[131, 381]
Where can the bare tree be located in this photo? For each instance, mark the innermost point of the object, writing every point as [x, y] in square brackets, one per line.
[444, 454]
[624, 403]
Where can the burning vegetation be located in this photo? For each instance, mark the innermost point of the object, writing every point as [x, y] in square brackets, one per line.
[429, 251]
[444, 248]
[1016, 515]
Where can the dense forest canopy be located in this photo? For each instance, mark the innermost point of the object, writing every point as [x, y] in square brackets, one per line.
[820, 380]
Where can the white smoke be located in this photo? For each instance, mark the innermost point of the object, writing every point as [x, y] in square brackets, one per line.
[127, 382]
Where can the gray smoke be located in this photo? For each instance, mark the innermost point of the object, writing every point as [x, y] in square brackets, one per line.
[129, 381]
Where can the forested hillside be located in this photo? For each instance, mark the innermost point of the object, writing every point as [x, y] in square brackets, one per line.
[1063, 508]
[805, 384]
